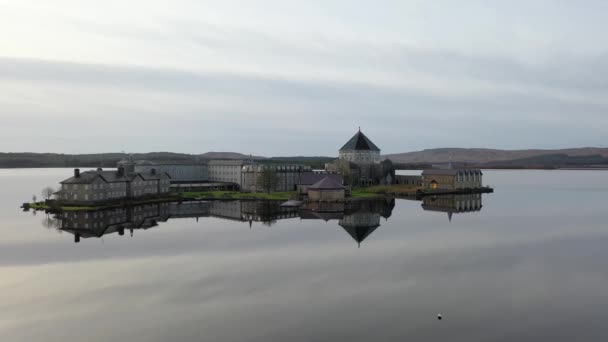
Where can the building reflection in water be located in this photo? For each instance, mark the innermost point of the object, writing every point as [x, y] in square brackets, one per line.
[358, 218]
[453, 204]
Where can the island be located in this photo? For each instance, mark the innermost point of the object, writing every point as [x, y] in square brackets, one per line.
[357, 173]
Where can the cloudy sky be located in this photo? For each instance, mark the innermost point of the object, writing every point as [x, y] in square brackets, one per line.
[298, 77]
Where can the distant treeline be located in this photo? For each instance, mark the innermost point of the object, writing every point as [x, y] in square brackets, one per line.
[27, 160]
[34, 160]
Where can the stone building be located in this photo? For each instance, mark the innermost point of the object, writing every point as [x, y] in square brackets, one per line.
[452, 179]
[360, 150]
[219, 174]
[326, 190]
[180, 172]
[101, 186]
[360, 163]
[288, 176]
[228, 171]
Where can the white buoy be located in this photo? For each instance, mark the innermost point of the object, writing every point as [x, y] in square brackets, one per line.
[439, 317]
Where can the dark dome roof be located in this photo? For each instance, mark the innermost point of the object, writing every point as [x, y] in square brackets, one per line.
[360, 142]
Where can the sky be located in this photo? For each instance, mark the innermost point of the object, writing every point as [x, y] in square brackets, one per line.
[280, 78]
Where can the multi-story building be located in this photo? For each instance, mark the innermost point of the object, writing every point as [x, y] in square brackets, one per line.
[103, 186]
[180, 172]
[287, 176]
[228, 171]
[452, 179]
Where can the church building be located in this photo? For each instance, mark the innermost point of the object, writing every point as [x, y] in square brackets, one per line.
[360, 150]
[361, 164]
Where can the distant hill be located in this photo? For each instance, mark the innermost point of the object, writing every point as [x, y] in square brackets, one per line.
[479, 156]
[474, 157]
[24, 160]
[551, 161]
[229, 155]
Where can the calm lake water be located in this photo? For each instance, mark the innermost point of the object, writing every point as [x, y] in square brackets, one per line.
[530, 265]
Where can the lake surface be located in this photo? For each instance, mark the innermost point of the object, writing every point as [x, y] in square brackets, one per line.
[530, 265]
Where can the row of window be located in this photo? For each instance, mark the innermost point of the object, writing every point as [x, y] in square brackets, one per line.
[110, 195]
[120, 185]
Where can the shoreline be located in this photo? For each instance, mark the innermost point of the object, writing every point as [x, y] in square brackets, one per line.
[361, 195]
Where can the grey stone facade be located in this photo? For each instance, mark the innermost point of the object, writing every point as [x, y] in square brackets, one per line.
[452, 179]
[360, 150]
[103, 186]
[288, 176]
[360, 163]
[226, 171]
[179, 172]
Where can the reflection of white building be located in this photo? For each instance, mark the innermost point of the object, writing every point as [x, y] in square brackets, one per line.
[453, 204]
[360, 224]
[226, 209]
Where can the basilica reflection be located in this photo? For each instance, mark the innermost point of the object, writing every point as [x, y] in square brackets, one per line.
[358, 218]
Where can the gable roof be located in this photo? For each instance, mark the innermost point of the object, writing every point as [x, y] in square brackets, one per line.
[309, 178]
[156, 176]
[327, 183]
[359, 142]
[88, 177]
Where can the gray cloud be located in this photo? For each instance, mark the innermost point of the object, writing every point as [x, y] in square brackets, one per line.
[238, 78]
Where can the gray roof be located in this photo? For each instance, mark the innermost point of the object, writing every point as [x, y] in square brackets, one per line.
[327, 183]
[309, 178]
[150, 176]
[360, 142]
[88, 177]
[450, 172]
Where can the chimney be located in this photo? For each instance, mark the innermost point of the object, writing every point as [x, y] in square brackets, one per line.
[121, 171]
[153, 171]
[76, 173]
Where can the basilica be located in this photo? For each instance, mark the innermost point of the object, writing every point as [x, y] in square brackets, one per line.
[361, 164]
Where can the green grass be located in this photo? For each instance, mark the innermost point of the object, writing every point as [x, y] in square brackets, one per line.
[361, 193]
[240, 195]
